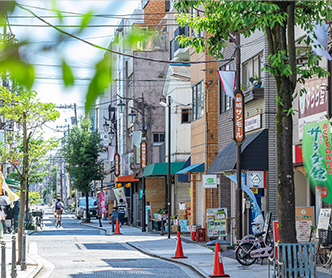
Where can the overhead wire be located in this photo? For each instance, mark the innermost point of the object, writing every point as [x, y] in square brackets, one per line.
[117, 52]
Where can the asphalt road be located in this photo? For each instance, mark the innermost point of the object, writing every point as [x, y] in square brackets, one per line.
[78, 251]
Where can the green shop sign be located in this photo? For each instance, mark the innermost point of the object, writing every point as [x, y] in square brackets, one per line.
[316, 147]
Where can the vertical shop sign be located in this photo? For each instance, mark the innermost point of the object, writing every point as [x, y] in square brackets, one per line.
[117, 165]
[238, 116]
[317, 156]
[143, 155]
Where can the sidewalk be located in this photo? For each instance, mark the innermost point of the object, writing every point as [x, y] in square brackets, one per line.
[32, 262]
[200, 258]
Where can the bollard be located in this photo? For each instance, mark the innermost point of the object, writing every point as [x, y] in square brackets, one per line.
[14, 272]
[3, 259]
[23, 262]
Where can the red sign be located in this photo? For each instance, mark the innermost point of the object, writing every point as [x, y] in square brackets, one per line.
[117, 165]
[238, 115]
[143, 155]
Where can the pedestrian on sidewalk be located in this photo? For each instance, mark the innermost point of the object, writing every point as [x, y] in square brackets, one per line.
[3, 224]
[114, 215]
[122, 207]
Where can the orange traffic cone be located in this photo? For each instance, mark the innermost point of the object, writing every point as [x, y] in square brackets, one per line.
[117, 228]
[218, 269]
[179, 251]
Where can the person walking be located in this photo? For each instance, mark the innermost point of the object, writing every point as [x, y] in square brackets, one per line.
[122, 210]
[114, 216]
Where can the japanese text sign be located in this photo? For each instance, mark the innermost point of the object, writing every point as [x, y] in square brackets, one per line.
[117, 165]
[238, 116]
[317, 156]
[143, 155]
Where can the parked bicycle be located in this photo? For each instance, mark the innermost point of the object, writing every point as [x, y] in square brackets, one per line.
[38, 214]
[247, 252]
[324, 254]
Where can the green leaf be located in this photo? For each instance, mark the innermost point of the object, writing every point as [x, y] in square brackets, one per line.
[67, 74]
[87, 17]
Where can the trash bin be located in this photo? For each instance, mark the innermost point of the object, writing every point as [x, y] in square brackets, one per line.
[200, 234]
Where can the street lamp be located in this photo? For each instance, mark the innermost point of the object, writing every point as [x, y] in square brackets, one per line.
[163, 103]
[132, 117]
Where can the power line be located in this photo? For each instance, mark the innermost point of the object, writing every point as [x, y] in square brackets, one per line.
[117, 52]
[79, 26]
[80, 14]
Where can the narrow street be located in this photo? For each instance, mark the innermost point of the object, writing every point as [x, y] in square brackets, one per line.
[79, 251]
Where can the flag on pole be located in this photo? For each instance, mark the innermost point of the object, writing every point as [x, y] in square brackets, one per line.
[319, 40]
[227, 79]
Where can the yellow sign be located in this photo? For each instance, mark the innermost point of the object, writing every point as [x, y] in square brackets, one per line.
[128, 184]
[254, 190]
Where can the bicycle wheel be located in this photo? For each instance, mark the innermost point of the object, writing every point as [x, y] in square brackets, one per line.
[322, 256]
[243, 254]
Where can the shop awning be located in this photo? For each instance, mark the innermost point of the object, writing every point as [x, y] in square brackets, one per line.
[12, 182]
[196, 168]
[161, 169]
[254, 154]
[128, 178]
[184, 177]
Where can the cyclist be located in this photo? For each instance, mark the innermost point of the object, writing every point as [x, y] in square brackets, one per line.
[58, 208]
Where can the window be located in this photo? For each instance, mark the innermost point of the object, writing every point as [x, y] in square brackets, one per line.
[251, 68]
[185, 116]
[198, 101]
[158, 138]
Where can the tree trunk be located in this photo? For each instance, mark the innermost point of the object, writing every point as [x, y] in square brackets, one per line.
[286, 191]
[23, 184]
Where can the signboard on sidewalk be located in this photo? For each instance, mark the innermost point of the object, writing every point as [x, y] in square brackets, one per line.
[216, 222]
[304, 217]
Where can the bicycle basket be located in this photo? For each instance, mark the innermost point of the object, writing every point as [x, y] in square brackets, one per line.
[325, 236]
[37, 213]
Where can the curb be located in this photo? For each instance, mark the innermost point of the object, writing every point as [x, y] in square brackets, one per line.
[167, 259]
[97, 228]
[32, 253]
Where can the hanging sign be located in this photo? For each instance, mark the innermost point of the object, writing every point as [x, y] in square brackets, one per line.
[238, 116]
[210, 181]
[256, 179]
[117, 165]
[143, 155]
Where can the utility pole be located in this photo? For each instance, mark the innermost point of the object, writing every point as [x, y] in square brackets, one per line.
[239, 135]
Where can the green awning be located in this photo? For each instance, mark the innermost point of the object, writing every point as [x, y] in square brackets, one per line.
[161, 169]
[12, 182]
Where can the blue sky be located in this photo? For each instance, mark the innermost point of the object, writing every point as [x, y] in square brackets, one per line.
[77, 54]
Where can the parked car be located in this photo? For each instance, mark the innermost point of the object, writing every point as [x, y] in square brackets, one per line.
[93, 207]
